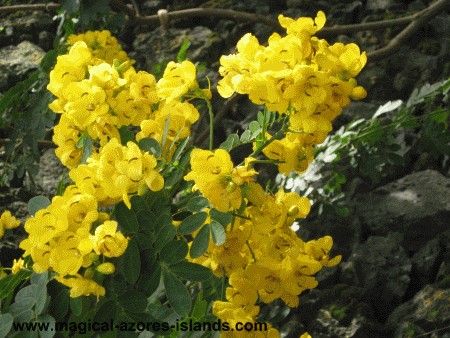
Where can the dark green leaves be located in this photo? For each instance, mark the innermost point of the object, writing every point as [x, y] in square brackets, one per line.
[132, 262]
[197, 204]
[179, 297]
[201, 242]
[126, 217]
[133, 301]
[174, 251]
[192, 223]
[191, 271]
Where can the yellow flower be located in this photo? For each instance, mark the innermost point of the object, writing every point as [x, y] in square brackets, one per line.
[81, 286]
[209, 166]
[7, 221]
[143, 85]
[107, 241]
[68, 250]
[17, 266]
[177, 80]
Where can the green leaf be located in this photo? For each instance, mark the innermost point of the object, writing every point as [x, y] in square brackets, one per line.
[197, 204]
[132, 262]
[254, 126]
[164, 236]
[76, 305]
[177, 294]
[126, 217]
[149, 280]
[107, 311]
[221, 217]
[10, 282]
[231, 142]
[38, 203]
[166, 129]
[201, 242]
[118, 283]
[260, 118]
[218, 233]
[173, 178]
[162, 221]
[174, 251]
[245, 136]
[192, 223]
[150, 145]
[180, 149]
[200, 306]
[191, 271]
[185, 158]
[82, 139]
[6, 321]
[126, 135]
[87, 150]
[144, 241]
[48, 321]
[60, 305]
[182, 53]
[133, 301]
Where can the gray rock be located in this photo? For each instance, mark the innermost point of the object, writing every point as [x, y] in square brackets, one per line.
[426, 261]
[17, 61]
[382, 268]
[415, 206]
[428, 310]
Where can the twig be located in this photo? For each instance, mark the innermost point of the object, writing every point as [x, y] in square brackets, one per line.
[400, 39]
[43, 144]
[38, 7]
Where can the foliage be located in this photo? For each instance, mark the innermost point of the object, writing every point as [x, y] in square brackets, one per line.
[131, 238]
[375, 149]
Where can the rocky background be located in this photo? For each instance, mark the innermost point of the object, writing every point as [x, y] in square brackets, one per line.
[394, 278]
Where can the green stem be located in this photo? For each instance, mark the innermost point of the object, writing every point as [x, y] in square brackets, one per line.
[237, 215]
[253, 255]
[211, 117]
[283, 129]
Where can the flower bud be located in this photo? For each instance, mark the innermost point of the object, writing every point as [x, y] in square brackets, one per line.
[89, 273]
[231, 186]
[106, 268]
[353, 82]
[142, 189]
[293, 211]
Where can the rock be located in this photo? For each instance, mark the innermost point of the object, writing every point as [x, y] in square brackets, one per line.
[382, 268]
[17, 61]
[416, 206]
[429, 310]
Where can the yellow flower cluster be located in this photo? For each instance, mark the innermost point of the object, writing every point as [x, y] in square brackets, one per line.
[298, 75]
[60, 239]
[263, 256]
[216, 179]
[99, 91]
[7, 222]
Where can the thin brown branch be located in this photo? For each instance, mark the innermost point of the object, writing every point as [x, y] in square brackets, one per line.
[420, 19]
[38, 7]
[42, 144]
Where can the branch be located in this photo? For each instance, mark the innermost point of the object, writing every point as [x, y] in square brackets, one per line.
[39, 7]
[420, 19]
[42, 144]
